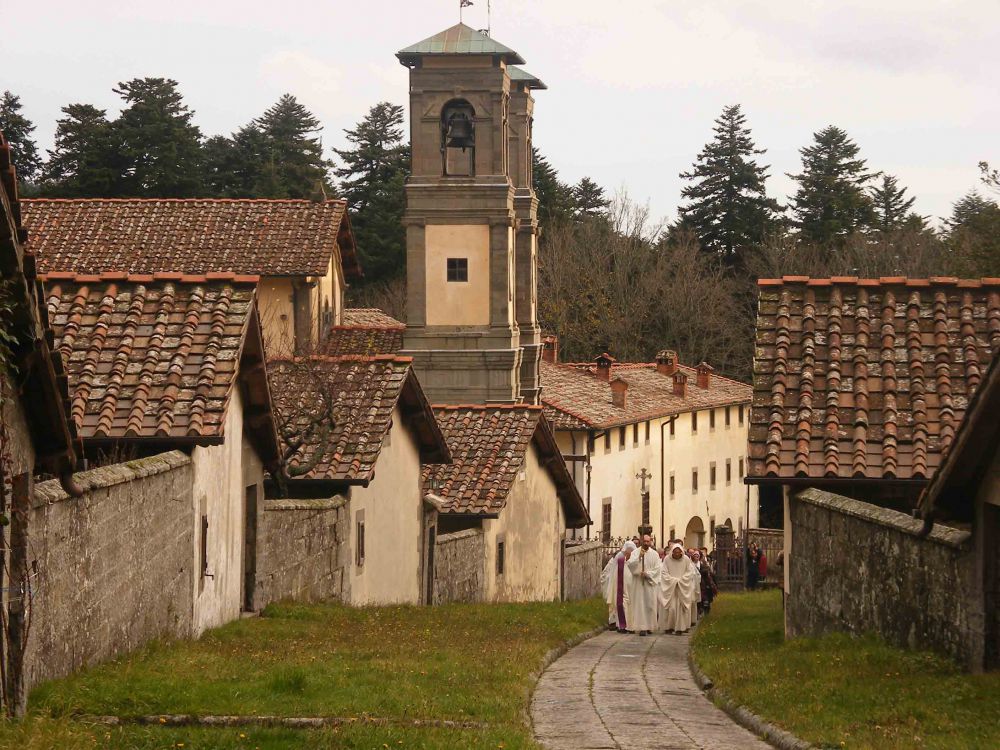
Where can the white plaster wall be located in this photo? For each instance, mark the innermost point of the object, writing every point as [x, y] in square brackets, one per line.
[613, 474]
[277, 315]
[453, 303]
[220, 480]
[393, 511]
[533, 525]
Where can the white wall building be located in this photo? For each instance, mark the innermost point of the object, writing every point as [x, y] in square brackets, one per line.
[678, 431]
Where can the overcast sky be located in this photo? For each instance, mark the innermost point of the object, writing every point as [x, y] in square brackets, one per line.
[634, 85]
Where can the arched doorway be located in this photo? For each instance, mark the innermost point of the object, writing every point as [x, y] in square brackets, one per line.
[694, 534]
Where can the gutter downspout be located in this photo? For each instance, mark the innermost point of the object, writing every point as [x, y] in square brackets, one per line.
[663, 509]
[590, 450]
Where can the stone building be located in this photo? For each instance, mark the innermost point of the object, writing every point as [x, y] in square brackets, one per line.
[359, 428]
[508, 485]
[175, 361]
[471, 221]
[658, 445]
[303, 251]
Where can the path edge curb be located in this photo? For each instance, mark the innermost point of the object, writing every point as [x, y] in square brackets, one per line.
[550, 656]
[742, 715]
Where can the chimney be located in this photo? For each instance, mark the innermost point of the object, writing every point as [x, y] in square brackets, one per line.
[704, 371]
[550, 349]
[619, 388]
[666, 362]
[680, 383]
[604, 363]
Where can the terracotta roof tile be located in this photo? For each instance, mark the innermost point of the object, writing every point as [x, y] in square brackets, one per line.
[866, 378]
[191, 236]
[365, 331]
[575, 398]
[359, 395]
[149, 359]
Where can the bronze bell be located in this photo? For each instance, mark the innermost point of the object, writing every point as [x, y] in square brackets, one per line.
[460, 133]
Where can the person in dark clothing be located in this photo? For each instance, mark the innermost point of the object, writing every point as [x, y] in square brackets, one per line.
[753, 566]
[708, 587]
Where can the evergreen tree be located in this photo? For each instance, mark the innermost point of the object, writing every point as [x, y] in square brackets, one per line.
[555, 198]
[292, 163]
[17, 129]
[890, 204]
[161, 146]
[372, 180]
[729, 209]
[234, 166]
[831, 203]
[589, 200]
[85, 162]
[973, 233]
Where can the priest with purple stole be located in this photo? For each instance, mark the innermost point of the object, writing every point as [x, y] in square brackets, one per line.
[644, 564]
[616, 580]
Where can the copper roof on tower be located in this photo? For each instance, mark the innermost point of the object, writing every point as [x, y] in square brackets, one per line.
[458, 40]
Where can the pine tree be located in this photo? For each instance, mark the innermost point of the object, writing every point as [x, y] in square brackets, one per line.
[161, 145]
[729, 209]
[292, 163]
[588, 199]
[890, 204]
[85, 162]
[831, 203]
[17, 129]
[234, 166]
[372, 180]
[555, 198]
[973, 234]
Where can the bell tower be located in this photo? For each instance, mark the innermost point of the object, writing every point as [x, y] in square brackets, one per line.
[471, 221]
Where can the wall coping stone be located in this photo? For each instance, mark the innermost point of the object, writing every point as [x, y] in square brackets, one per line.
[50, 491]
[577, 549]
[324, 503]
[456, 535]
[892, 519]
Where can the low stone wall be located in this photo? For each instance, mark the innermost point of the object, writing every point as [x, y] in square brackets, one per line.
[303, 551]
[857, 567]
[114, 566]
[459, 573]
[582, 566]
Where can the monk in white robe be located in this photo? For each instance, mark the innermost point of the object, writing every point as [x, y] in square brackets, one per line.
[644, 564]
[616, 579]
[678, 581]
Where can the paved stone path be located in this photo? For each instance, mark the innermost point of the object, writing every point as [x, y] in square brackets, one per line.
[624, 691]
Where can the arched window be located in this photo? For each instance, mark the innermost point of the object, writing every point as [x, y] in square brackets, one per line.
[458, 139]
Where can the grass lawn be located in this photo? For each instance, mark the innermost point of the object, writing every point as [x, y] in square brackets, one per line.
[842, 691]
[459, 662]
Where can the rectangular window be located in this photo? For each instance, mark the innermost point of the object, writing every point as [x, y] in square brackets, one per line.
[694, 480]
[740, 475]
[360, 552]
[673, 491]
[711, 419]
[606, 518]
[647, 433]
[729, 471]
[673, 424]
[458, 269]
[673, 532]
[204, 549]
[711, 475]
[635, 434]
[728, 416]
[501, 553]
[694, 422]
[607, 441]
[741, 413]
[621, 438]
[645, 509]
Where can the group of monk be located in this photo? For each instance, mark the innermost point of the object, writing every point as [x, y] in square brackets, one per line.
[652, 590]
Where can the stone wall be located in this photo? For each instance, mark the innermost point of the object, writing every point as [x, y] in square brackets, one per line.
[114, 566]
[582, 565]
[303, 551]
[858, 567]
[459, 573]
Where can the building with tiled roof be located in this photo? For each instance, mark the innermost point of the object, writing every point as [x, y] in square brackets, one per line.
[860, 385]
[507, 479]
[653, 445]
[361, 427]
[364, 331]
[175, 361]
[302, 250]
[35, 398]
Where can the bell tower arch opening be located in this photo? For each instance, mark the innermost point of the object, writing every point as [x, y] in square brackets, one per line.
[458, 139]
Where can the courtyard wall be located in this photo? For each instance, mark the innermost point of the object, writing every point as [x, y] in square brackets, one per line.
[459, 567]
[582, 566]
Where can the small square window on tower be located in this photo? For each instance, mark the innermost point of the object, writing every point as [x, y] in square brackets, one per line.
[458, 269]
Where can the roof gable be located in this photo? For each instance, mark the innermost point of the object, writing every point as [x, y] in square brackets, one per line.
[195, 236]
[458, 40]
[866, 378]
[365, 331]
